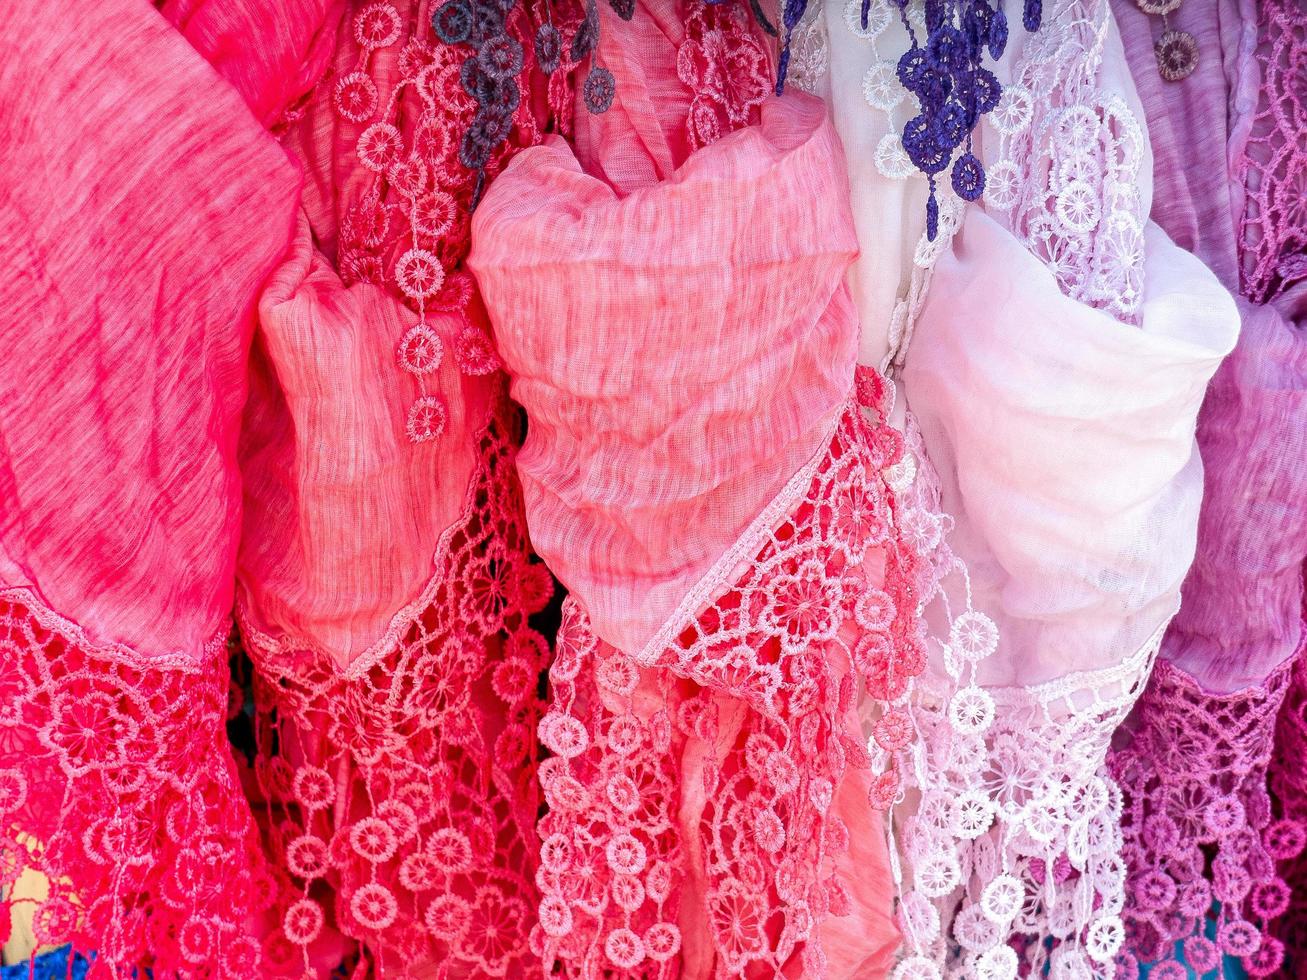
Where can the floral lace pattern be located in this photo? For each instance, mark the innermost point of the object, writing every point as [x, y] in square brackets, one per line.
[1202, 840]
[809, 52]
[882, 88]
[1013, 847]
[1273, 166]
[885, 94]
[400, 95]
[760, 638]
[407, 788]
[397, 798]
[1042, 880]
[788, 637]
[1068, 165]
[610, 858]
[495, 53]
[723, 63]
[1057, 840]
[118, 792]
[1288, 785]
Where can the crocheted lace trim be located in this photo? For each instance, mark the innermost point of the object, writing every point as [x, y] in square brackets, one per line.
[1202, 837]
[1011, 849]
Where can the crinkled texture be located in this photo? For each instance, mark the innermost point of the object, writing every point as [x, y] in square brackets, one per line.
[1241, 617]
[720, 74]
[1009, 830]
[1201, 827]
[128, 312]
[683, 381]
[938, 801]
[724, 881]
[1191, 126]
[386, 584]
[406, 784]
[744, 803]
[385, 577]
[342, 512]
[698, 475]
[273, 54]
[1241, 614]
[373, 378]
[1064, 442]
[644, 135]
[1078, 563]
[381, 140]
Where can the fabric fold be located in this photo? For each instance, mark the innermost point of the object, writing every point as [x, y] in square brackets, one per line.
[1213, 837]
[1078, 572]
[132, 313]
[692, 365]
[343, 515]
[144, 207]
[704, 475]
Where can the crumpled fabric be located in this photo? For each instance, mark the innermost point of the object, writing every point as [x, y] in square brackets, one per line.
[1241, 616]
[216, 394]
[1012, 403]
[1054, 370]
[682, 340]
[1197, 752]
[636, 486]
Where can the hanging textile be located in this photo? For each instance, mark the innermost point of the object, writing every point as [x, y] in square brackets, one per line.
[128, 317]
[704, 478]
[1208, 848]
[366, 503]
[1054, 331]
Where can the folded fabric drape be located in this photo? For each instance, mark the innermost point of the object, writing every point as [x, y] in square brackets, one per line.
[699, 476]
[1204, 839]
[636, 486]
[386, 586]
[908, 401]
[366, 500]
[1059, 517]
[1075, 516]
[129, 310]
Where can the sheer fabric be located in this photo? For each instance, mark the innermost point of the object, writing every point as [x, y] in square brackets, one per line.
[937, 809]
[1010, 830]
[863, 529]
[1044, 584]
[366, 502]
[1055, 586]
[1204, 839]
[386, 583]
[128, 314]
[700, 474]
